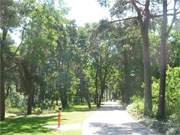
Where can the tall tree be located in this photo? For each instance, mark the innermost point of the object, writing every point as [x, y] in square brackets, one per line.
[163, 56]
[100, 51]
[143, 18]
[161, 108]
[8, 19]
[2, 79]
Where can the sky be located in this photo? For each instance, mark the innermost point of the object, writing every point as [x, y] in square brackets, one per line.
[86, 11]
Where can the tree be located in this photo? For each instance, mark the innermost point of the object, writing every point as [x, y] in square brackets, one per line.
[38, 50]
[161, 108]
[163, 56]
[143, 18]
[82, 59]
[83, 88]
[100, 51]
[8, 19]
[129, 47]
[27, 81]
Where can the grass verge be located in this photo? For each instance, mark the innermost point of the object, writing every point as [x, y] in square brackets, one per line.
[33, 124]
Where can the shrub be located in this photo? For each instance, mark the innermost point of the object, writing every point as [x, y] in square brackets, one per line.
[16, 102]
[172, 93]
[136, 108]
[37, 110]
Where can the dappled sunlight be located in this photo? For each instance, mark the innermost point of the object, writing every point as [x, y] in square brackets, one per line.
[111, 119]
[123, 129]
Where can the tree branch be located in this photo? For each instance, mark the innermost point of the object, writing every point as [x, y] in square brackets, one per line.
[119, 20]
[139, 17]
[140, 3]
[173, 19]
[17, 49]
[169, 14]
[147, 5]
[20, 42]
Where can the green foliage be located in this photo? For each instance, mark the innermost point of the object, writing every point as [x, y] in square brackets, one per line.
[174, 49]
[176, 113]
[155, 95]
[172, 93]
[37, 110]
[172, 88]
[136, 108]
[16, 100]
[9, 14]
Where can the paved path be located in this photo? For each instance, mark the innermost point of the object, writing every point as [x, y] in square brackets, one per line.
[111, 119]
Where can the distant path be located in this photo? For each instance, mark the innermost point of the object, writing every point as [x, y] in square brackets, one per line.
[111, 119]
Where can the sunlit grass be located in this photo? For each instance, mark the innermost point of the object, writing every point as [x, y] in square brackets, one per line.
[33, 124]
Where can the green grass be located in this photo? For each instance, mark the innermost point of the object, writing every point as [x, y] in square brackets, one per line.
[33, 124]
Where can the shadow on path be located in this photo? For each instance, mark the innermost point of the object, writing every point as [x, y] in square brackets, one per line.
[113, 119]
[122, 129]
[110, 106]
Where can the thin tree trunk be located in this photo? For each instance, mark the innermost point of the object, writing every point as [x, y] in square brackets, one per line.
[126, 91]
[62, 87]
[100, 94]
[83, 87]
[161, 107]
[103, 86]
[31, 88]
[96, 85]
[2, 79]
[30, 101]
[64, 101]
[87, 98]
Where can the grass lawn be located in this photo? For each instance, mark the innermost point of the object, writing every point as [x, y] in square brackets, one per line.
[33, 124]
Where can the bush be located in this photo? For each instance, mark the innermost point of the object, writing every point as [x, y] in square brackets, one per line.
[16, 102]
[172, 94]
[37, 110]
[176, 114]
[136, 108]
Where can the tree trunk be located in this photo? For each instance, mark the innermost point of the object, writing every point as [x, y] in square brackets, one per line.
[101, 96]
[147, 73]
[88, 101]
[83, 87]
[102, 86]
[30, 87]
[2, 79]
[144, 19]
[61, 66]
[64, 101]
[26, 75]
[161, 107]
[96, 85]
[126, 91]
[30, 101]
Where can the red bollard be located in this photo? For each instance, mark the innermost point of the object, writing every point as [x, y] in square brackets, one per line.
[59, 119]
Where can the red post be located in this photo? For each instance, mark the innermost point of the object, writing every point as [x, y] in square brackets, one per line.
[59, 119]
